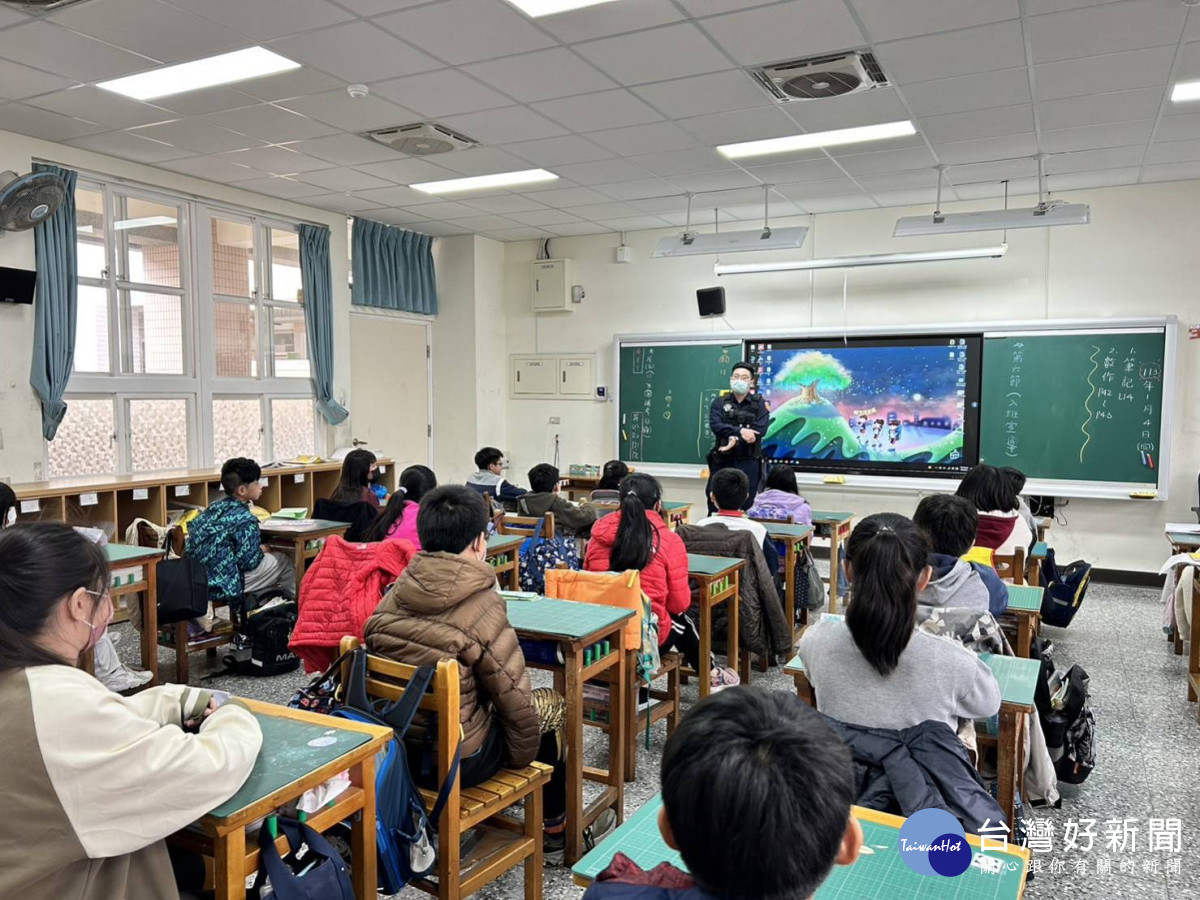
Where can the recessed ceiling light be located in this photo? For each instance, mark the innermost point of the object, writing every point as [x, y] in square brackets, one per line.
[482, 182]
[535, 8]
[818, 139]
[240, 65]
[1185, 90]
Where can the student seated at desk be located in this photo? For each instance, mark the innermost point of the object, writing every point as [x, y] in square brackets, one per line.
[1016, 478]
[874, 668]
[950, 524]
[607, 488]
[490, 482]
[636, 537]
[730, 488]
[226, 537]
[360, 473]
[93, 781]
[570, 519]
[781, 498]
[1001, 527]
[756, 793]
[398, 521]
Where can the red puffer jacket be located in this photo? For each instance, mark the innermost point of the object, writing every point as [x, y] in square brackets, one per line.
[339, 592]
[664, 578]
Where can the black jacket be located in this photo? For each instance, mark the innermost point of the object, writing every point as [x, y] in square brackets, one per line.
[917, 768]
[727, 417]
[359, 514]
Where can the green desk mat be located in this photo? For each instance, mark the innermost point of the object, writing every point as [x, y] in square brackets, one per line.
[1039, 550]
[124, 553]
[286, 755]
[784, 530]
[880, 872]
[825, 517]
[562, 618]
[698, 564]
[505, 541]
[1183, 538]
[1025, 597]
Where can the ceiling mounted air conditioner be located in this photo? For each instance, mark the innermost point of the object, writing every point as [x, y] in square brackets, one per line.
[421, 139]
[818, 77]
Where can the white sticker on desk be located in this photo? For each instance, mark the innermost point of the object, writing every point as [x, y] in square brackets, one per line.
[298, 479]
[29, 506]
[141, 493]
[182, 490]
[89, 500]
[322, 742]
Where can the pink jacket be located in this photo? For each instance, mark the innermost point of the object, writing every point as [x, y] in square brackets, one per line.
[406, 528]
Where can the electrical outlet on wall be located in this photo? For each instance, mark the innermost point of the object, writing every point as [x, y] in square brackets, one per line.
[555, 420]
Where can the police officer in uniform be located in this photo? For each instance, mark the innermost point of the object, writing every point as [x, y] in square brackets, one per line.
[738, 420]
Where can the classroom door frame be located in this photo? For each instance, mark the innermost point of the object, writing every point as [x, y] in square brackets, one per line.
[426, 322]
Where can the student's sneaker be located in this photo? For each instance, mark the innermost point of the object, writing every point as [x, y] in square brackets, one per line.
[554, 841]
[600, 829]
[114, 674]
[722, 677]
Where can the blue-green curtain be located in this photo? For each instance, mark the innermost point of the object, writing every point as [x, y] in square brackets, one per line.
[55, 313]
[317, 283]
[393, 269]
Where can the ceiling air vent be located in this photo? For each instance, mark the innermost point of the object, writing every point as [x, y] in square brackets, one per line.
[35, 7]
[818, 77]
[421, 139]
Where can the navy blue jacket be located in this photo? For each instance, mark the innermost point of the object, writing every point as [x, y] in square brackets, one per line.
[727, 417]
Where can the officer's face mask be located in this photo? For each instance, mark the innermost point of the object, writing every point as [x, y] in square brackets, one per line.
[739, 386]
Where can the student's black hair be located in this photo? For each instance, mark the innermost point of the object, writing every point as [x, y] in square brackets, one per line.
[989, 489]
[238, 471]
[782, 478]
[757, 790]
[542, 478]
[8, 499]
[612, 473]
[636, 540]
[415, 483]
[356, 475]
[949, 522]
[747, 366]
[1016, 478]
[887, 554]
[40, 564]
[486, 457]
[730, 488]
[452, 516]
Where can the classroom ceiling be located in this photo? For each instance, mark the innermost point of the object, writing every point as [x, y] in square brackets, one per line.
[625, 101]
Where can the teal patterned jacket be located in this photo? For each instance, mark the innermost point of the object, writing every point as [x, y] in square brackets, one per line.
[227, 539]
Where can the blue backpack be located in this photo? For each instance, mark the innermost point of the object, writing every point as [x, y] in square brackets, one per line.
[404, 830]
[1065, 589]
[537, 554]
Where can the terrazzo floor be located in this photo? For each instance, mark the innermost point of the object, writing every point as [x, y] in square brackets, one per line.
[1147, 741]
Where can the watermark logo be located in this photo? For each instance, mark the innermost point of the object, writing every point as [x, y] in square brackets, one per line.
[932, 842]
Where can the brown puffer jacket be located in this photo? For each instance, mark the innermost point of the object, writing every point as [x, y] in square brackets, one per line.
[445, 606]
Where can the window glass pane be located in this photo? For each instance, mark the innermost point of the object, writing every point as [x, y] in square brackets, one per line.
[237, 429]
[158, 435]
[233, 258]
[91, 330]
[293, 429]
[149, 236]
[236, 336]
[285, 265]
[89, 230]
[155, 323]
[289, 342]
[85, 443]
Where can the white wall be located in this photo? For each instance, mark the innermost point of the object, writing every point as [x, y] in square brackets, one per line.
[1137, 258]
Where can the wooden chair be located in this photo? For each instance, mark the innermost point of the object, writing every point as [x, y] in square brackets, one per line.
[664, 704]
[506, 842]
[506, 523]
[1011, 567]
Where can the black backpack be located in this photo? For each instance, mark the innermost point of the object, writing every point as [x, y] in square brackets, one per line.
[182, 590]
[1064, 590]
[260, 644]
[1070, 726]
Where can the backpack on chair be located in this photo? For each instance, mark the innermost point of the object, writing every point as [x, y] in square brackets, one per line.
[1064, 590]
[538, 553]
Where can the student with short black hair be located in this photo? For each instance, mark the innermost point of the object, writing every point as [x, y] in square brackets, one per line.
[1001, 527]
[756, 793]
[489, 480]
[728, 490]
[398, 522]
[570, 519]
[360, 471]
[875, 668]
[1016, 478]
[950, 523]
[610, 476]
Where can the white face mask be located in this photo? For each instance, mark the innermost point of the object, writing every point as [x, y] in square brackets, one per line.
[11, 519]
[739, 387]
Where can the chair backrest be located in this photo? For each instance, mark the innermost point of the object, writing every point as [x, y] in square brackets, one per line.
[1012, 566]
[606, 496]
[359, 515]
[387, 680]
[790, 520]
[524, 525]
[620, 589]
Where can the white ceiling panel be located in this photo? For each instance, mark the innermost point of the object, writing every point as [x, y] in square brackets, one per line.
[343, 203]
[718, 181]
[267, 19]
[637, 190]
[593, 112]
[785, 31]
[444, 209]
[284, 188]
[481, 161]
[1009, 169]
[558, 150]
[1100, 109]
[293, 83]
[275, 160]
[507, 204]
[1171, 172]
[839, 203]
[881, 161]
[524, 77]
[129, 146]
[633, 223]
[344, 179]
[485, 223]
[345, 149]
[982, 150]
[271, 123]
[337, 108]
[103, 107]
[986, 48]
[543, 217]
[606, 171]
[377, 7]
[609, 19]
[502, 126]
[1038, 7]
[70, 55]
[1109, 28]
[867, 108]
[440, 229]
[526, 234]
[1006, 87]
[982, 123]
[407, 170]
[199, 137]
[1172, 152]
[985, 190]
[1179, 128]
[150, 28]
[213, 168]
[394, 196]
[393, 217]
[18, 82]
[732, 127]
[41, 123]
[356, 52]
[887, 20]
[1093, 137]
[683, 162]
[705, 94]
[211, 100]
[464, 31]
[445, 92]
[798, 170]
[637, 139]
[1103, 74]
[568, 197]
[1090, 160]
[594, 212]
[10, 16]
[1074, 181]
[673, 51]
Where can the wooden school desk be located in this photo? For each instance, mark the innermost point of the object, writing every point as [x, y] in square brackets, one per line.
[581, 486]
[674, 513]
[719, 580]
[287, 766]
[793, 538]
[838, 524]
[1183, 541]
[877, 873]
[503, 555]
[1033, 563]
[577, 629]
[145, 591]
[1017, 679]
[1025, 608]
[301, 539]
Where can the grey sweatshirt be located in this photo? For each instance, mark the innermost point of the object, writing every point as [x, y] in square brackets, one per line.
[936, 679]
[960, 586]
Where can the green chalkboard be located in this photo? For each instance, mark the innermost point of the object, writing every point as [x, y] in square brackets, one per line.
[1079, 407]
[665, 393]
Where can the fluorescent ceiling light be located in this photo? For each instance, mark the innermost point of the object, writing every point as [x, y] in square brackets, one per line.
[854, 262]
[482, 182]
[994, 220]
[535, 8]
[1185, 90]
[692, 244]
[146, 222]
[818, 139]
[240, 65]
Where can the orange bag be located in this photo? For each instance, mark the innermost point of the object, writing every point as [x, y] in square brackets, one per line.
[619, 589]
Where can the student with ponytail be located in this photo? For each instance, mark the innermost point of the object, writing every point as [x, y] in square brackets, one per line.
[874, 668]
[398, 521]
[93, 781]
